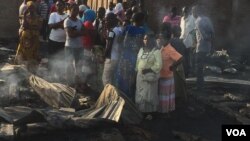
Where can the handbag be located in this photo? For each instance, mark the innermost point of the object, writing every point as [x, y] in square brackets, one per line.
[150, 76]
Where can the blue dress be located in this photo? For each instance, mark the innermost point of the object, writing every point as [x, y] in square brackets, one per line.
[126, 75]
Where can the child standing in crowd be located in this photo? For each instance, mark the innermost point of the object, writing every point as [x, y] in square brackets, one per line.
[148, 68]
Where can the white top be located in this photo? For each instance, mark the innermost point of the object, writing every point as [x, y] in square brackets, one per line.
[73, 42]
[115, 47]
[118, 8]
[59, 34]
[187, 25]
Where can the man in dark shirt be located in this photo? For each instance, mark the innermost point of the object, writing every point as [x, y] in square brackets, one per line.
[179, 73]
[112, 48]
[179, 46]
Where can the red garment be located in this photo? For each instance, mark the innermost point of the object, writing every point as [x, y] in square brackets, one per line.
[88, 41]
[52, 8]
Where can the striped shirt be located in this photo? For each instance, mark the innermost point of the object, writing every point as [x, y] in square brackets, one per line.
[43, 9]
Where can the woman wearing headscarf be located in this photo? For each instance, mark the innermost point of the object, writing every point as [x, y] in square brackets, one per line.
[148, 68]
[27, 51]
[82, 9]
[119, 12]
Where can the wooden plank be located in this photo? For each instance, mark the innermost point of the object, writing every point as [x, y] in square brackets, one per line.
[221, 81]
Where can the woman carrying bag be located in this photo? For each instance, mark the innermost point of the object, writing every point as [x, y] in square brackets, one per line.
[148, 68]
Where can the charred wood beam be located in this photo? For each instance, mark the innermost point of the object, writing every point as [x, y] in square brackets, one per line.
[218, 81]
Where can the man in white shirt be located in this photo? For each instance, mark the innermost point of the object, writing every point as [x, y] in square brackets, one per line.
[187, 29]
[57, 38]
[57, 35]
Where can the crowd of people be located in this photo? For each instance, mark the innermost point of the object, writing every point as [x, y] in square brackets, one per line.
[149, 68]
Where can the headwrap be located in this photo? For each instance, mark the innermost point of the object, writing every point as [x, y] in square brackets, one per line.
[30, 3]
[89, 15]
[82, 8]
[118, 8]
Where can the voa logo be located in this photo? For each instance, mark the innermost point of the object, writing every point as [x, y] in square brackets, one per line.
[236, 132]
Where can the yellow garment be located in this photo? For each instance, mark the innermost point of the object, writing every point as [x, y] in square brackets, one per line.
[146, 97]
[150, 60]
[29, 40]
[30, 3]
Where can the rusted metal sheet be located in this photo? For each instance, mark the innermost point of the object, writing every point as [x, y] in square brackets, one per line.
[111, 106]
[54, 94]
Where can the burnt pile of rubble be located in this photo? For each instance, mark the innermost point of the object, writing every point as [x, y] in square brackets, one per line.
[32, 106]
[220, 62]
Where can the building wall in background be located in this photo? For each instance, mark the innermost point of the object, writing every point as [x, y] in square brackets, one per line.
[9, 18]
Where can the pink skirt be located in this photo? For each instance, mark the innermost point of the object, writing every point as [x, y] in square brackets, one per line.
[166, 95]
